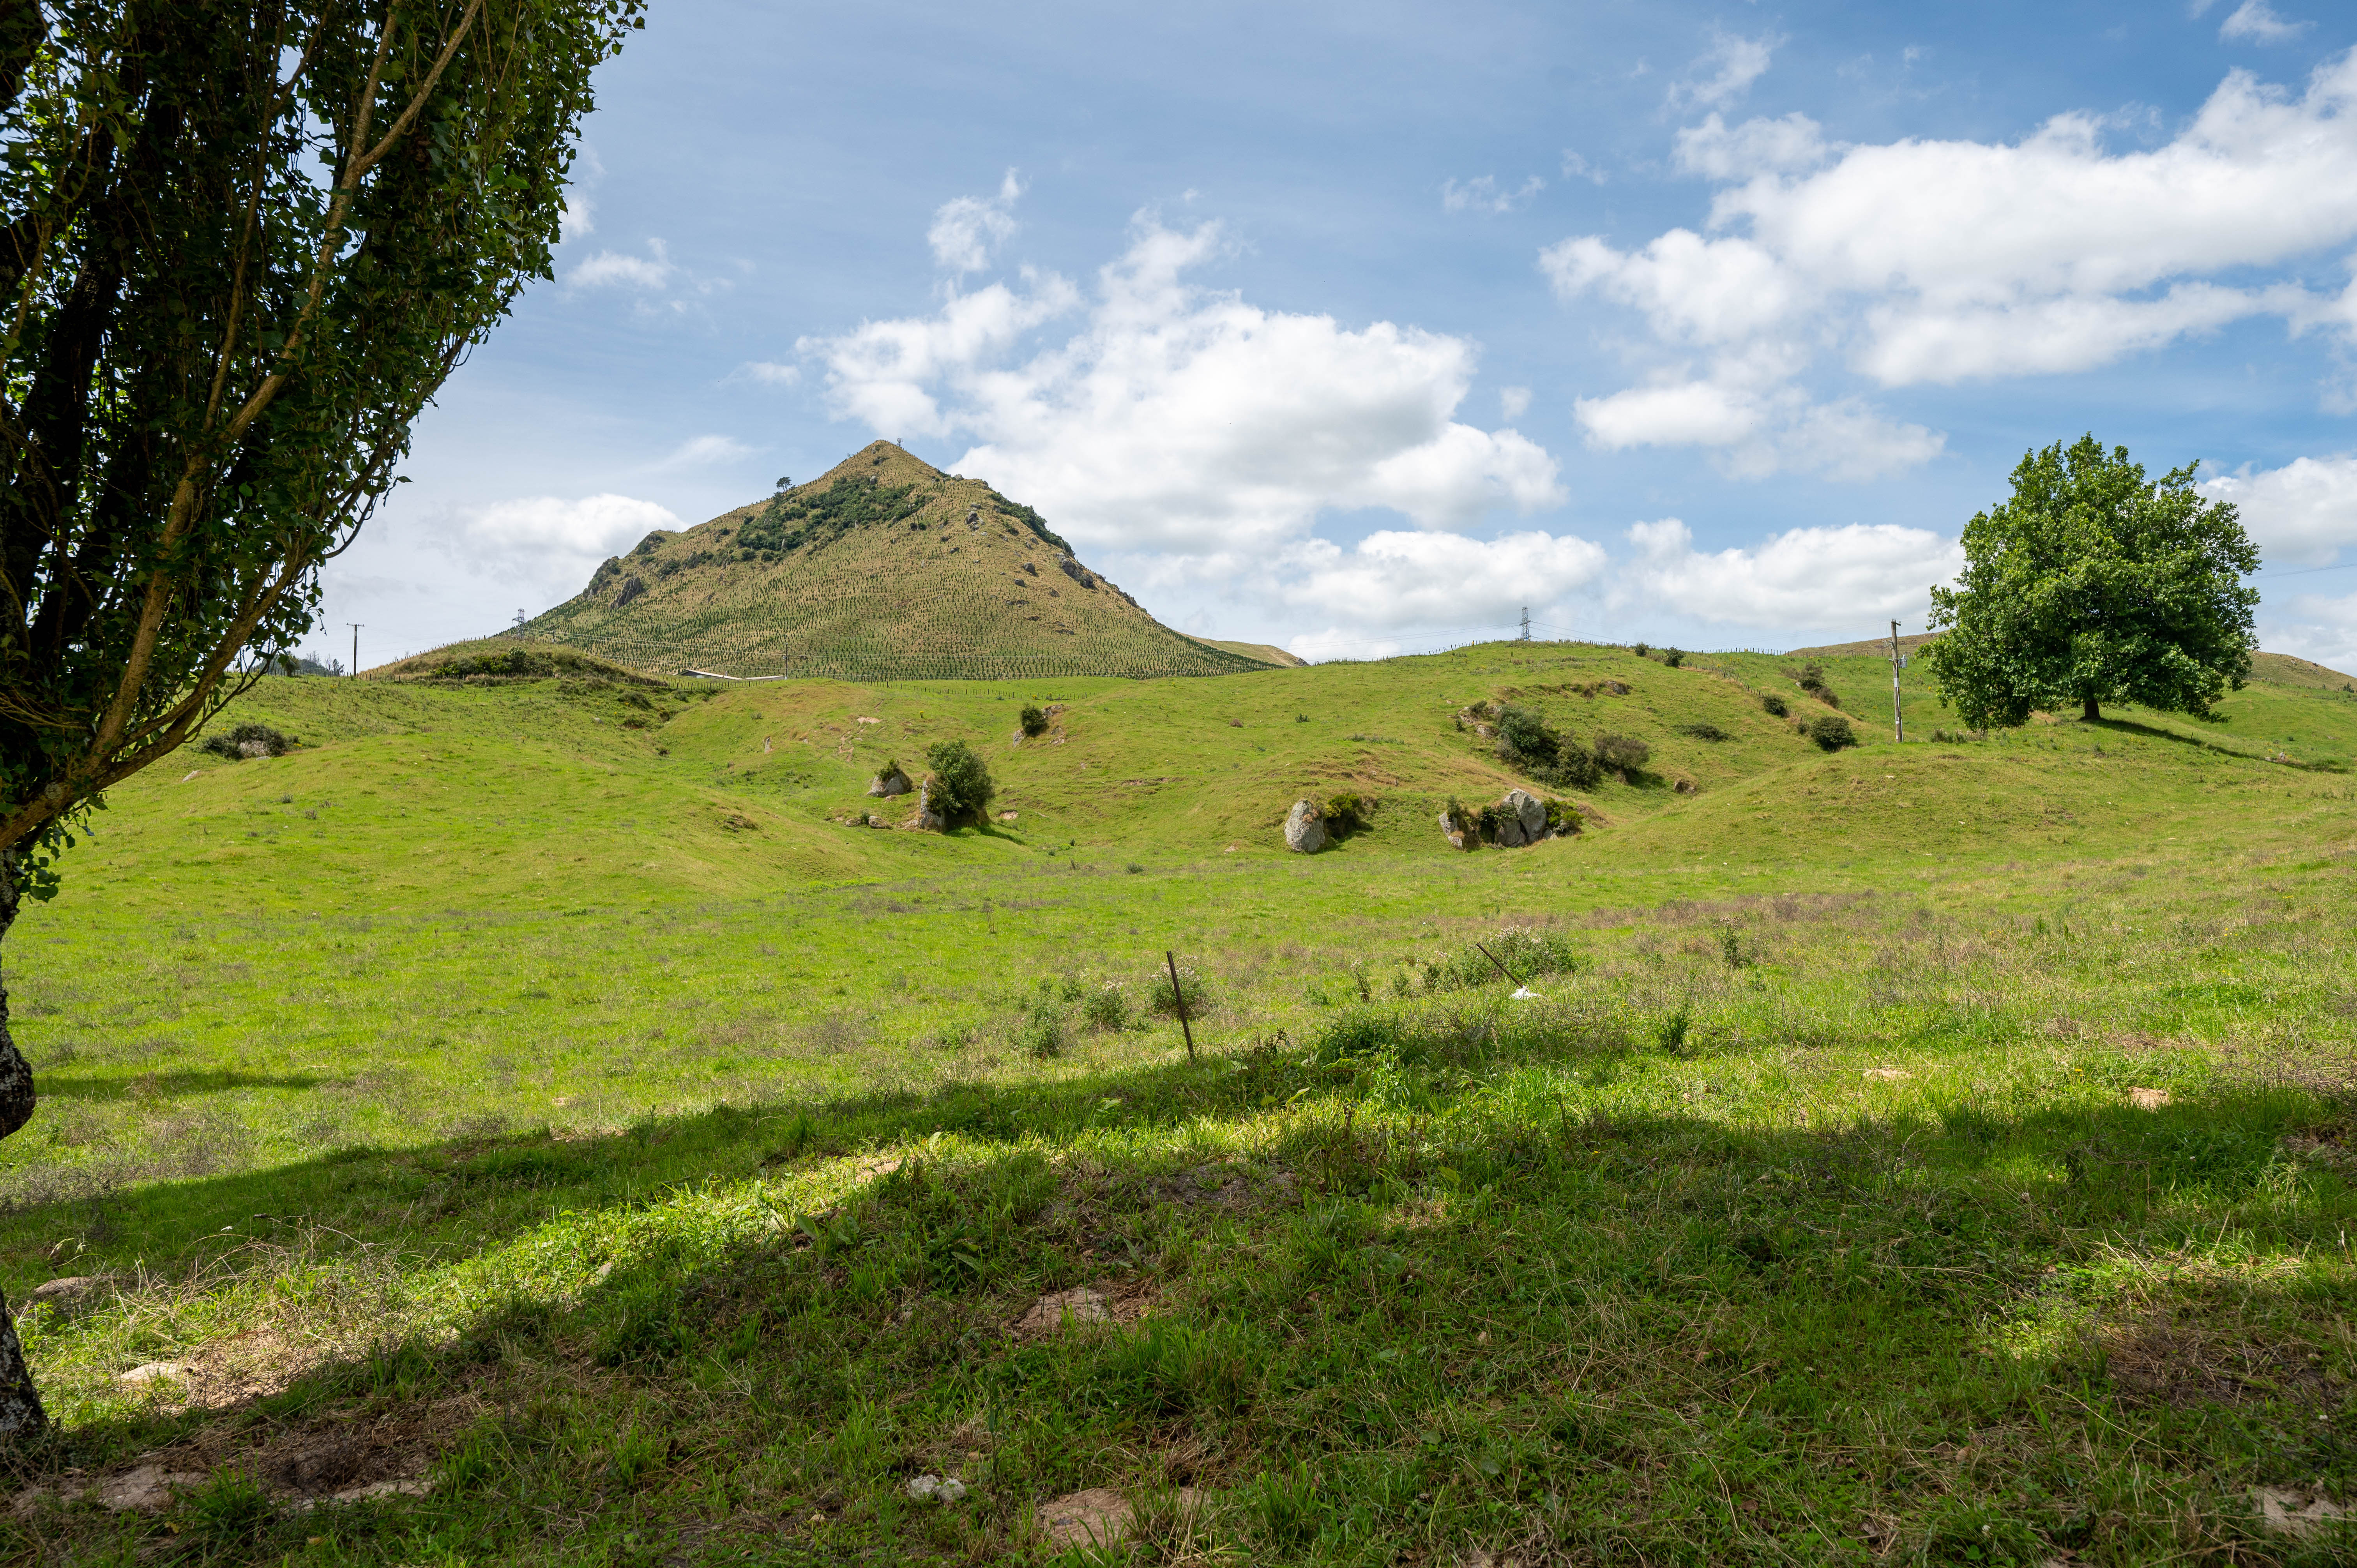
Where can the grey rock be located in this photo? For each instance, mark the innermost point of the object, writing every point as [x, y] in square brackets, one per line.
[69, 1294]
[1460, 835]
[632, 586]
[1305, 828]
[1531, 812]
[888, 785]
[1508, 834]
[927, 820]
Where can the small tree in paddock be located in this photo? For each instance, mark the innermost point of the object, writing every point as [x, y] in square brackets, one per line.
[963, 789]
[2092, 585]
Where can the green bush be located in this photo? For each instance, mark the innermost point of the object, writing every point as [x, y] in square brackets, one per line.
[1524, 737]
[1674, 657]
[1621, 753]
[233, 744]
[1163, 1002]
[1774, 704]
[1348, 812]
[1641, 650]
[1832, 732]
[1812, 680]
[1041, 1033]
[1034, 722]
[1709, 732]
[1525, 953]
[1106, 1008]
[962, 784]
[1575, 767]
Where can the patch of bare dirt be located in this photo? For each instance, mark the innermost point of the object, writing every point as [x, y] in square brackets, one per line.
[1106, 1302]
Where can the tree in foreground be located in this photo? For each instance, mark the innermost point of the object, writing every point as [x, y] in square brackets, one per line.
[2092, 585]
[243, 245]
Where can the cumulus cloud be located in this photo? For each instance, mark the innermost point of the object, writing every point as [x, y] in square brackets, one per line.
[1936, 262]
[1726, 72]
[547, 545]
[1514, 402]
[965, 230]
[578, 218]
[704, 452]
[613, 268]
[2305, 512]
[1182, 420]
[1806, 578]
[2254, 21]
[1399, 579]
[1484, 194]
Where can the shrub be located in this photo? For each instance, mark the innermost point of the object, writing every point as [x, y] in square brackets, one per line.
[1562, 817]
[1640, 650]
[1106, 1008]
[1034, 722]
[1040, 1034]
[1621, 753]
[248, 740]
[1163, 1002]
[1348, 812]
[1674, 657]
[1704, 731]
[1774, 704]
[1812, 681]
[1460, 820]
[1524, 737]
[1832, 732]
[1575, 767]
[1134, 868]
[1525, 953]
[961, 785]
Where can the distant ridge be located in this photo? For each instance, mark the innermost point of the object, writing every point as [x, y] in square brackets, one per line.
[884, 568]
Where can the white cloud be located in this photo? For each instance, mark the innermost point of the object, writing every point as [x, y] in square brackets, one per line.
[546, 546]
[1578, 168]
[1928, 261]
[1514, 402]
[579, 217]
[613, 268]
[1482, 195]
[1808, 579]
[2254, 21]
[2305, 512]
[1393, 580]
[1182, 420]
[1788, 145]
[704, 452]
[2313, 626]
[964, 230]
[769, 373]
[1733, 64]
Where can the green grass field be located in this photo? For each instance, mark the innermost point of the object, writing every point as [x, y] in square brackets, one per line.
[545, 1100]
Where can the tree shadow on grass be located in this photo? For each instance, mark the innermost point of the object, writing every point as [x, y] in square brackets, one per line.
[1760, 1279]
[165, 1085]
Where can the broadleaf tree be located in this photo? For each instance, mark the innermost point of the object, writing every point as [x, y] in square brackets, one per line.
[241, 246]
[2091, 584]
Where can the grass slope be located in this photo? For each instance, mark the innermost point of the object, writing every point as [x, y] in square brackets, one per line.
[883, 569]
[541, 1093]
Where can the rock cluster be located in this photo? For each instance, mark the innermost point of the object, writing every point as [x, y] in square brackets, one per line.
[927, 820]
[1518, 819]
[889, 782]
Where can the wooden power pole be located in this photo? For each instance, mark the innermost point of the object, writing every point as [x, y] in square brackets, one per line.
[356, 647]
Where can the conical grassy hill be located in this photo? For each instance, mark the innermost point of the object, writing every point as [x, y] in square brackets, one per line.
[884, 569]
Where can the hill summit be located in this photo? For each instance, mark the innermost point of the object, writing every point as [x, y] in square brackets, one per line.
[884, 568]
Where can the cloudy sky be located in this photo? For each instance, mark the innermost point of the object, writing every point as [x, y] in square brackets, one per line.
[1359, 327]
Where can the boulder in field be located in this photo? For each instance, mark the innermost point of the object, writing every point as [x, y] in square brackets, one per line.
[927, 820]
[889, 782]
[1305, 828]
[1530, 812]
[1459, 827]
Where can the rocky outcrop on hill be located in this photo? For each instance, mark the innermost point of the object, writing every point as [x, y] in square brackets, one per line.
[1305, 828]
[927, 820]
[1519, 819]
[890, 782]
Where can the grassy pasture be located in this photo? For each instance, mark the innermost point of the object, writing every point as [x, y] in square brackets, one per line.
[586, 1119]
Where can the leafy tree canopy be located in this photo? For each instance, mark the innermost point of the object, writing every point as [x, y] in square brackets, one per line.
[241, 246]
[962, 788]
[2092, 585]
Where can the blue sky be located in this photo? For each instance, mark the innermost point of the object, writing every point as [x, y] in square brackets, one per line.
[1356, 327]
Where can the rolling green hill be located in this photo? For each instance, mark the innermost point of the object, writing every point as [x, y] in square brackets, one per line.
[533, 1100]
[883, 569]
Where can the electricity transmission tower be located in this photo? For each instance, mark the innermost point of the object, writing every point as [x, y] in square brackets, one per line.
[1526, 623]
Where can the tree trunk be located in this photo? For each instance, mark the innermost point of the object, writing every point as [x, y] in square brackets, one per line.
[2091, 712]
[21, 1415]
